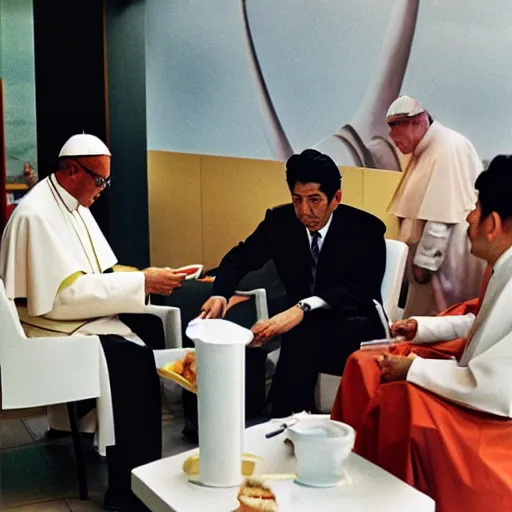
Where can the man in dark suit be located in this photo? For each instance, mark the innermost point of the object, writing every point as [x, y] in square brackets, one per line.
[331, 259]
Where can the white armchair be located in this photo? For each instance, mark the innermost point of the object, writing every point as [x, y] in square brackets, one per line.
[396, 258]
[260, 300]
[37, 372]
[41, 371]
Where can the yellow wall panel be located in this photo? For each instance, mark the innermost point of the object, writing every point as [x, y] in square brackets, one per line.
[200, 206]
[236, 194]
[352, 186]
[378, 189]
[174, 182]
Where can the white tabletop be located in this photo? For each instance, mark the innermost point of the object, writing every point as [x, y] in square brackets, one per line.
[163, 487]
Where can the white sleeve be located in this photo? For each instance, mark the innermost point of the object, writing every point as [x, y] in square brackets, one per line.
[316, 303]
[442, 328]
[484, 384]
[100, 295]
[433, 245]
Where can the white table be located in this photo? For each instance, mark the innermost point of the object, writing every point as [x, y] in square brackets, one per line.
[163, 487]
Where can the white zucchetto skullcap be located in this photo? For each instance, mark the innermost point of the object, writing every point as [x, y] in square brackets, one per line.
[404, 106]
[84, 144]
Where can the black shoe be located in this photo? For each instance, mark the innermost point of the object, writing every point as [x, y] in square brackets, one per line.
[190, 435]
[123, 503]
[52, 433]
[115, 505]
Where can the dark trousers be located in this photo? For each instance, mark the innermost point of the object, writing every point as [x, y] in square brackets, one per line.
[135, 388]
[320, 344]
[255, 395]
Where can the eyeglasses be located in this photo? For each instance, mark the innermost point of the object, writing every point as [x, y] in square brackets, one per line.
[100, 181]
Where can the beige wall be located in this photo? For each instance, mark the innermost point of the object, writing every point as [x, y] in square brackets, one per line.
[200, 205]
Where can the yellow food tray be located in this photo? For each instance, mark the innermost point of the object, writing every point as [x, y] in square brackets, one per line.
[176, 377]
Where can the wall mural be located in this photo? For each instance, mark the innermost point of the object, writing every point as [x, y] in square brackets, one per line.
[19, 100]
[363, 141]
[18, 74]
[264, 79]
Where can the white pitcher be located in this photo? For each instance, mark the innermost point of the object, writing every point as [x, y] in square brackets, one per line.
[220, 366]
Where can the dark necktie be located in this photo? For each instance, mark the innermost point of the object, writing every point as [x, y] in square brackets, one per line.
[315, 253]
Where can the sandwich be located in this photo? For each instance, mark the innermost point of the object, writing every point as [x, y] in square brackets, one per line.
[256, 496]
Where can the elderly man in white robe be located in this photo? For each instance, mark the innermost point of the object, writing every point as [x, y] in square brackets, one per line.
[435, 195]
[58, 266]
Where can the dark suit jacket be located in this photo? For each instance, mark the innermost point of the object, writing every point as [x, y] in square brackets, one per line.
[350, 267]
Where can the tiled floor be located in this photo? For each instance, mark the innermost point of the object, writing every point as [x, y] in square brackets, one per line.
[38, 474]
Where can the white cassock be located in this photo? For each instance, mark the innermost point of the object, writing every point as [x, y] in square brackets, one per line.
[432, 201]
[54, 254]
[481, 379]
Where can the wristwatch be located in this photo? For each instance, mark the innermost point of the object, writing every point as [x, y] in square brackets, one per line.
[304, 306]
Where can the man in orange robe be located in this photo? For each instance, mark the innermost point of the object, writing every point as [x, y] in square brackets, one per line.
[443, 425]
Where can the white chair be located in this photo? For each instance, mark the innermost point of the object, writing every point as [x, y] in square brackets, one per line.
[38, 372]
[396, 258]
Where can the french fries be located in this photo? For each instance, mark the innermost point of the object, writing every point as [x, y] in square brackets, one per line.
[186, 367]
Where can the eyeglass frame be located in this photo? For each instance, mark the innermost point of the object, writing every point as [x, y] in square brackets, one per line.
[100, 181]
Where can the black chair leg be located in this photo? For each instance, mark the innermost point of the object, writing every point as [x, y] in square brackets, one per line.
[79, 452]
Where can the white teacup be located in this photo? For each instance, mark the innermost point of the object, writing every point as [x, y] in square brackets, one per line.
[322, 447]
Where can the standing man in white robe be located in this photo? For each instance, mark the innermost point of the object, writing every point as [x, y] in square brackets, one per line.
[60, 269]
[436, 193]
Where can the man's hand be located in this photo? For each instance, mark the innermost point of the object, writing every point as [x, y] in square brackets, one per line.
[421, 275]
[279, 324]
[162, 281]
[406, 328]
[214, 307]
[394, 367]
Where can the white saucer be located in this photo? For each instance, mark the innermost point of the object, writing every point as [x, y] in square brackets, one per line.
[196, 268]
[321, 485]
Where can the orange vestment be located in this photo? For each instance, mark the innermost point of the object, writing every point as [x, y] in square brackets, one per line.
[460, 457]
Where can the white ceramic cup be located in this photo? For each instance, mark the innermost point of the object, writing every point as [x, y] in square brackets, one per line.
[322, 447]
